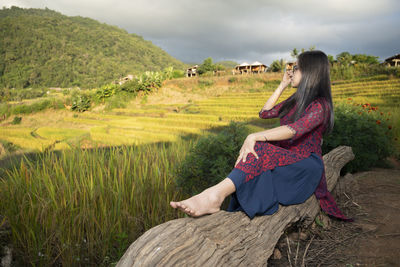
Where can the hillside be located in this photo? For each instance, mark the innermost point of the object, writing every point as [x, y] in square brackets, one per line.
[41, 47]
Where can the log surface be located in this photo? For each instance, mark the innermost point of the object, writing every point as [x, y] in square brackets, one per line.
[227, 238]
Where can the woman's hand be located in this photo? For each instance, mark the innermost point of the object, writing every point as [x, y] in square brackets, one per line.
[287, 79]
[247, 147]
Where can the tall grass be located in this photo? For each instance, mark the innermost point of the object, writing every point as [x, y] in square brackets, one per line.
[84, 207]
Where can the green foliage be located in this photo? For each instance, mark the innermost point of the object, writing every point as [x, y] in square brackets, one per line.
[41, 47]
[117, 101]
[331, 59]
[16, 120]
[18, 95]
[345, 58]
[219, 67]
[366, 130]
[106, 91]
[149, 81]
[277, 65]
[167, 73]
[232, 80]
[365, 59]
[207, 66]
[205, 83]
[361, 70]
[6, 109]
[9, 147]
[130, 86]
[211, 159]
[81, 102]
[294, 53]
[178, 74]
[342, 72]
[227, 64]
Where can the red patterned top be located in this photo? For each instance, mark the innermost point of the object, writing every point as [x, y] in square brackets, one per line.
[307, 139]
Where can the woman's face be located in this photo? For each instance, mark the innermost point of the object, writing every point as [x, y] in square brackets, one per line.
[296, 77]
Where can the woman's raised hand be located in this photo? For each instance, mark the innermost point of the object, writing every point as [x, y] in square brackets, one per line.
[287, 78]
[247, 147]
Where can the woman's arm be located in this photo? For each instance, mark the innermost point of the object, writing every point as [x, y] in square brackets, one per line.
[274, 134]
[313, 117]
[275, 96]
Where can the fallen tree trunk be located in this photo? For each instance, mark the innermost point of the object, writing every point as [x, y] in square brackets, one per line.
[227, 238]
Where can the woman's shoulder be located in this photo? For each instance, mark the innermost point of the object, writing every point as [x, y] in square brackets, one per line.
[317, 103]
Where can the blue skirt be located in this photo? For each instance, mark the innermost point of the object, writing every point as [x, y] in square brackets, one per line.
[285, 185]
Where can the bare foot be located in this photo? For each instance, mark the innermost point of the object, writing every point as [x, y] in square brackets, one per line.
[206, 202]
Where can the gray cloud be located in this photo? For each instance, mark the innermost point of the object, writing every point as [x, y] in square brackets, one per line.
[261, 30]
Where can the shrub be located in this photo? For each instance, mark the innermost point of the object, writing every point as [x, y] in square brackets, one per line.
[35, 107]
[211, 159]
[205, 83]
[80, 102]
[207, 66]
[366, 130]
[130, 86]
[9, 148]
[232, 80]
[5, 109]
[342, 72]
[117, 101]
[177, 74]
[149, 81]
[16, 120]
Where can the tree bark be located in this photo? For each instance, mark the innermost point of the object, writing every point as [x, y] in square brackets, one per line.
[227, 238]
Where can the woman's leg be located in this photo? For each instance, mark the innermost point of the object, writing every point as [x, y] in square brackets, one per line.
[207, 202]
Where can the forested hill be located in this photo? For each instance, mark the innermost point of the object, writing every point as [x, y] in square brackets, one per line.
[41, 47]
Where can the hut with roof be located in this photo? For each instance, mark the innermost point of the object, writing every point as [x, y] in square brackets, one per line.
[192, 71]
[393, 61]
[245, 68]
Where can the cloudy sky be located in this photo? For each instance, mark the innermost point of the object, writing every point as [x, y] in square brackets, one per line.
[262, 30]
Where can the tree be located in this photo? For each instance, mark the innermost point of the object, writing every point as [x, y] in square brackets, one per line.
[206, 66]
[294, 53]
[331, 59]
[277, 65]
[366, 59]
[344, 58]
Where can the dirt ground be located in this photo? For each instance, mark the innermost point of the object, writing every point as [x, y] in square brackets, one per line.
[372, 199]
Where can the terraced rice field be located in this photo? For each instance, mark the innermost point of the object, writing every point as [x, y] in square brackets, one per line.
[166, 122]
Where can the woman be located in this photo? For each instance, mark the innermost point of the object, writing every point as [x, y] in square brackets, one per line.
[282, 165]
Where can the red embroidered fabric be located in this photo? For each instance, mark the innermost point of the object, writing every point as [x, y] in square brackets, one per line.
[307, 139]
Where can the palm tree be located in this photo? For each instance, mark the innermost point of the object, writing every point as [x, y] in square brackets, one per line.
[294, 53]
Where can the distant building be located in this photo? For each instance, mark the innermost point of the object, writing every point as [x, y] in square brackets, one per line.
[393, 61]
[192, 71]
[124, 80]
[255, 67]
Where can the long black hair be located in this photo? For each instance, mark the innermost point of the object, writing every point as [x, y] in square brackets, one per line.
[315, 82]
